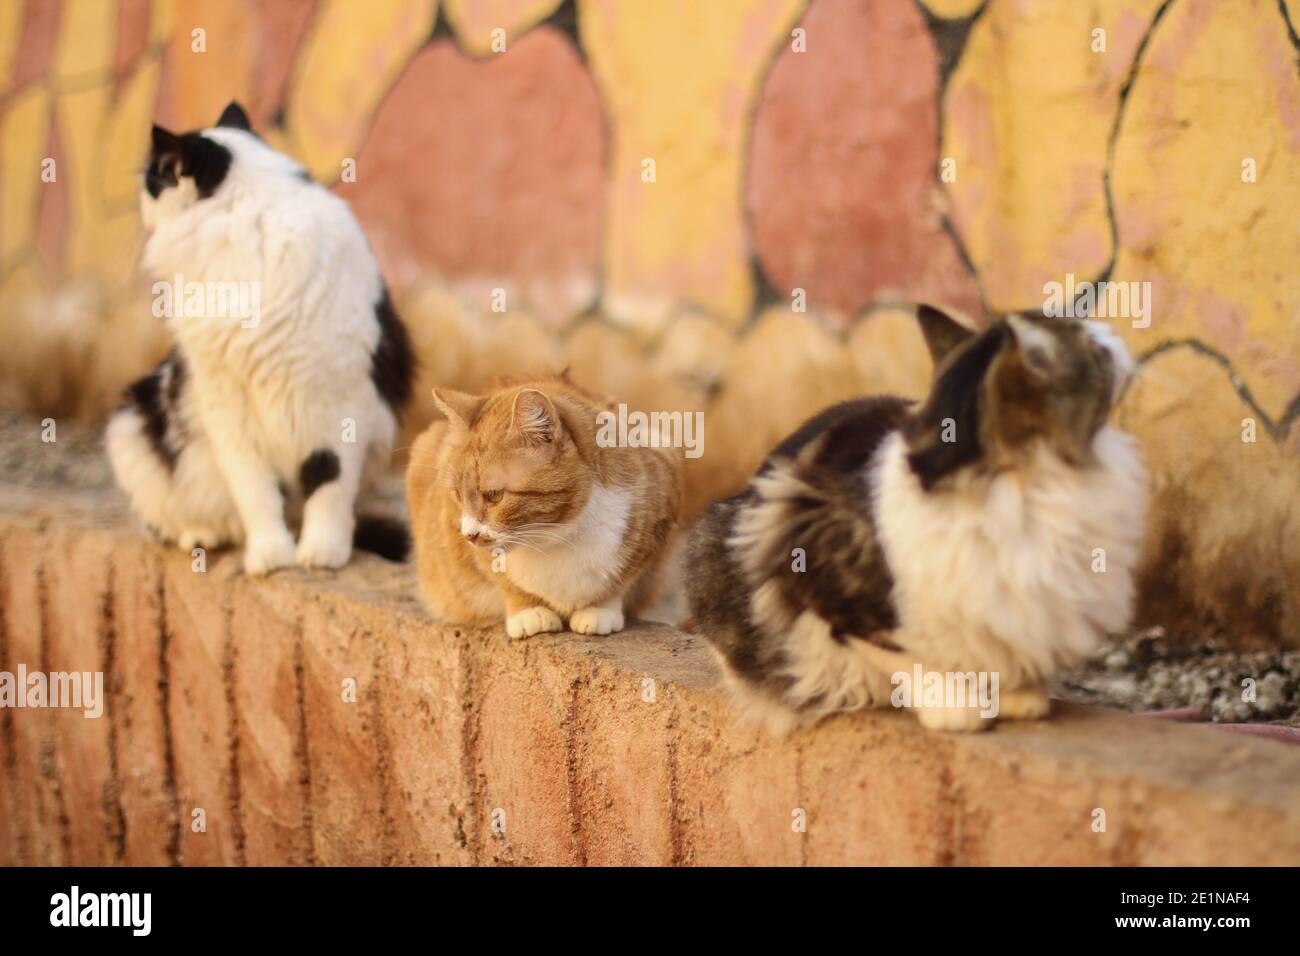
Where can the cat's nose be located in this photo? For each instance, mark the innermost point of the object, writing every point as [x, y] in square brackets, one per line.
[472, 537]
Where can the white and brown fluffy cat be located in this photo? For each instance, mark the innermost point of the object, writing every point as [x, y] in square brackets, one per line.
[294, 404]
[520, 514]
[962, 535]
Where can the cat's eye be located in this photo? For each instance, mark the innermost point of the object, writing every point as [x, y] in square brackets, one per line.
[493, 496]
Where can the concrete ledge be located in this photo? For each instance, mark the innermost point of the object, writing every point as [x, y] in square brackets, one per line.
[463, 747]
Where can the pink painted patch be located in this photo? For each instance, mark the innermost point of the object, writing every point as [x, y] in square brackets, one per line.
[53, 215]
[36, 46]
[281, 27]
[489, 172]
[132, 38]
[1280, 732]
[1289, 735]
[1222, 321]
[1181, 714]
[842, 179]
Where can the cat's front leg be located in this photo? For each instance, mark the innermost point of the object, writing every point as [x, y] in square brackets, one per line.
[902, 666]
[330, 477]
[526, 615]
[603, 618]
[253, 484]
[1024, 703]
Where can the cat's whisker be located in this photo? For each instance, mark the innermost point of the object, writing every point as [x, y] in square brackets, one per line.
[542, 536]
[518, 544]
[536, 530]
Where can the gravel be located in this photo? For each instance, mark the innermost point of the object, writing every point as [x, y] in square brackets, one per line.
[74, 459]
[1149, 670]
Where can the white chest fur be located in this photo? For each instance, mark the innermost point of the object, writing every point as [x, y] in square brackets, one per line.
[1019, 573]
[582, 569]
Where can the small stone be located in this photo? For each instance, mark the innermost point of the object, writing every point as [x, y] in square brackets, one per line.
[1271, 694]
[1117, 660]
[1226, 709]
[1198, 689]
[1145, 648]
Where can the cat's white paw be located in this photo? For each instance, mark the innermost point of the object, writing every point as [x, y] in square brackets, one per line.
[264, 555]
[955, 719]
[1024, 703]
[596, 620]
[533, 620]
[324, 549]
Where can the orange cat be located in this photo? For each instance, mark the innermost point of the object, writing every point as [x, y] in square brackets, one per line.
[517, 511]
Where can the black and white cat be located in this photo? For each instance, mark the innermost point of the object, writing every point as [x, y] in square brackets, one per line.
[296, 403]
[992, 529]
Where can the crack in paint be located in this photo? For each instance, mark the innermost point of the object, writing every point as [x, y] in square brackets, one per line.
[1290, 30]
[49, 748]
[1124, 91]
[114, 811]
[234, 796]
[388, 838]
[164, 707]
[1277, 430]
[19, 812]
[676, 834]
[470, 731]
[949, 35]
[571, 776]
[302, 752]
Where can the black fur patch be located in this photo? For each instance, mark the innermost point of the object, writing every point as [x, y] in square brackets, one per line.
[164, 166]
[719, 598]
[319, 468]
[234, 117]
[826, 518]
[147, 397]
[845, 435]
[846, 580]
[178, 377]
[956, 396]
[207, 162]
[392, 366]
[155, 398]
[386, 537]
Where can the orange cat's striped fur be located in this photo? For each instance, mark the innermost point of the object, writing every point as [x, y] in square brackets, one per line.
[518, 513]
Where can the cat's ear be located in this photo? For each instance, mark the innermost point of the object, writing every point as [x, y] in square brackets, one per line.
[460, 408]
[1034, 343]
[165, 141]
[942, 332]
[535, 418]
[235, 117]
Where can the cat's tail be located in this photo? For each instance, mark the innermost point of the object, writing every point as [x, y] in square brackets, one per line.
[387, 537]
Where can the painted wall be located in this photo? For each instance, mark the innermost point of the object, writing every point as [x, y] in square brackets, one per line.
[870, 153]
